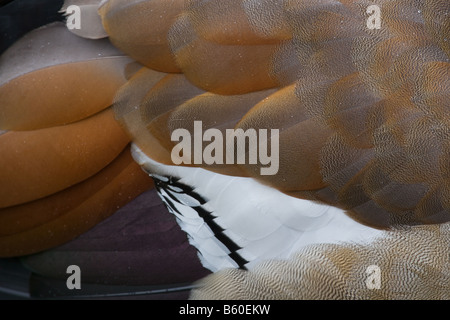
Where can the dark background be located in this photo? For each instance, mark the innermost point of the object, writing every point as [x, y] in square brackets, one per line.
[17, 17]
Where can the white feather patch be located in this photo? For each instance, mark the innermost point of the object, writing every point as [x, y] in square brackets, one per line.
[252, 222]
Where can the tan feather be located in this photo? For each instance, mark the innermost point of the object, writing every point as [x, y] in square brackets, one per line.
[52, 77]
[35, 164]
[361, 112]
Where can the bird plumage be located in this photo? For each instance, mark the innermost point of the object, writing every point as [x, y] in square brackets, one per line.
[362, 113]
[364, 131]
[234, 231]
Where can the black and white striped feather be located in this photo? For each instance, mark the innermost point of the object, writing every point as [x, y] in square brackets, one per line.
[236, 222]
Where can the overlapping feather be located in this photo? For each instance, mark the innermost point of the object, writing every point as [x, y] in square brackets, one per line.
[362, 113]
